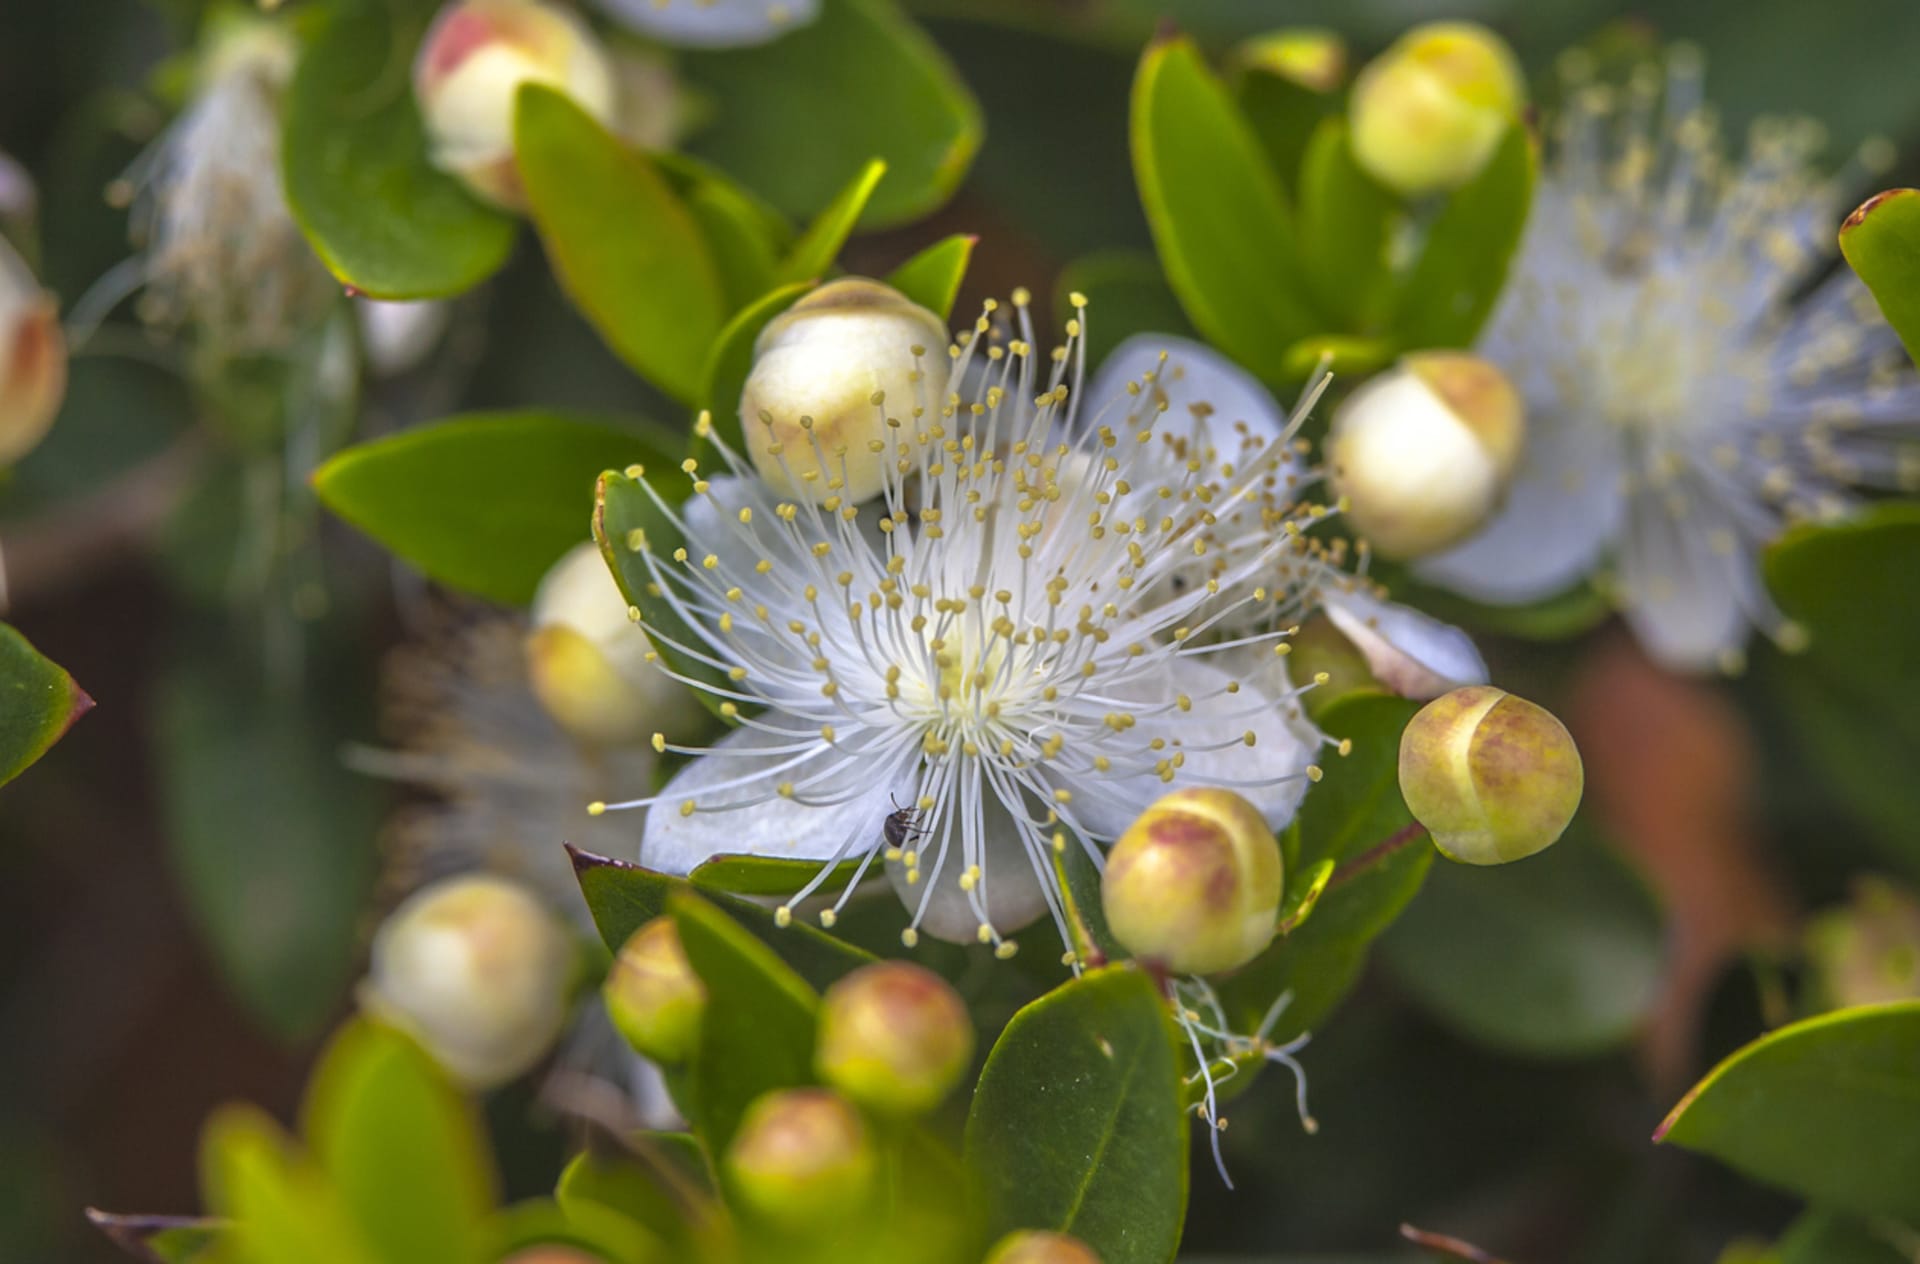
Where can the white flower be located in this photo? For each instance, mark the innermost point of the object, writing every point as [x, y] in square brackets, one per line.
[713, 23]
[1681, 412]
[1053, 612]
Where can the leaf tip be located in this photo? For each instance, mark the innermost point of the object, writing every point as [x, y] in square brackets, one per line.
[584, 860]
[1872, 204]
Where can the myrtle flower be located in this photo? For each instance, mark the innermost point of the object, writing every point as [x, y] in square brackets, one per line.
[1052, 609]
[713, 23]
[1682, 409]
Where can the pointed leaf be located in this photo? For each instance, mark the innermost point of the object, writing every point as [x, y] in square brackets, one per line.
[160, 1239]
[38, 703]
[932, 278]
[1882, 242]
[819, 246]
[1470, 247]
[1346, 226]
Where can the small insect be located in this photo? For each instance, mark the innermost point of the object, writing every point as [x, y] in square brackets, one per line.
[902, 827]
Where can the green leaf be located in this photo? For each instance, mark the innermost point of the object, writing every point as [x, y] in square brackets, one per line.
[747, 237]
[1126, 295]
[932, 278]
[1882, 242]
[624, 897]
[486, 502]
[1452, 288]
[757, 1033]
[767, 875]
[378, 214]
[38, 703]
[623, 246]
[1828, 1108]
[819, 246]
[281, 1207]
[1556, 955]
[1561, 617]
[1346, 226]
[633, 529]
[604, 1234]
[623, 1186]
[1283, 114]
[1219, 218]
[859, 82]
[1078, 1125]
[1824, 1238]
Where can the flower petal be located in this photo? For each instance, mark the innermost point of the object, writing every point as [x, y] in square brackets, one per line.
[1008, 883]
[1680, 597]
[1200, 386]
[713, 23]
[1415, 655]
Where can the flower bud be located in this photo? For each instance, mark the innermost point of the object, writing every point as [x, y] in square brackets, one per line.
[33, 359]
[802, 1160]
[1194, 883]
[468, 74]
[552, 1253]
[1308, 57]
[654, 997]
[829, 375]
[477, 970]
[1492, 777]
[1867, 952]
[1429, 112]
[591, 666]
[1037, 1246]
[1422, 454]
[894, 1037]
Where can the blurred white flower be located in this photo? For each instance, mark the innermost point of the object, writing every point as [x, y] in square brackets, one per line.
[713, 23]
[33, 358]
[398, 336]
[1682, 409]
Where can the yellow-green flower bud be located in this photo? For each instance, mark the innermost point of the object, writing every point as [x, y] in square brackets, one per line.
[836, 383]
[592, 668]
[33, 359]
[1429, 112]
[893, 1037]
[653, 996]
[802, 1160]
[1422, 455]
[476, 969]
[1036, 1246]
[1492, 777]
[1309, 57]
[1194, 883]
[468, 74]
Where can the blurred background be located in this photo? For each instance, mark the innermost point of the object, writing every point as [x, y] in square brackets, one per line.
[187, 881]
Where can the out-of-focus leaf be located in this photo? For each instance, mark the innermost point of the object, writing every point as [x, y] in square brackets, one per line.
[1828, 1108]
[487, 502]
[281, 1208]
[859, 82]
[1346, 224]
[1225, 235]
[1452, 288]
[1882, 241]
[1560, 617]
[1078, 1124]
[602, 1233]
[932, 278]
[819, 246]
[400, 1145]
[620, 1185]
[624, 897]
[38, 703]
[1340, 354]
[744, 234]
[1126, 295]
[623, 246]
[1284, 115]
[165, 1239]
[378, 214]
[1820, 1237]
[757, 1033]
[1556, 955]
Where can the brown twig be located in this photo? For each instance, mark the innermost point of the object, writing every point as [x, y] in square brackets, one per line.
[1373, 855]
[1452, 1248]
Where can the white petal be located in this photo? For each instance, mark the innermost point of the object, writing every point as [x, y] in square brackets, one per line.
[1563, 510]
[787, 828]
[1008, 880]
[1681, 598]
[1413, 654]
[1203, 389]
[714, 23]
[399, 335]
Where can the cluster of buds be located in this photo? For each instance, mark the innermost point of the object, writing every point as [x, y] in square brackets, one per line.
[477, 970]
[1428, 113]
[1422, 455]
[1493, 778]
[33, 359]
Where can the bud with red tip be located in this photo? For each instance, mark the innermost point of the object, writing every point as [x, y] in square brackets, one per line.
[893, 1037]
[653, 995]
[802, 1160]
[1492, 777]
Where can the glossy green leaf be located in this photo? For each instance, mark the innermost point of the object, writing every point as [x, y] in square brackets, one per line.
[1219, 218]
[813, 255]
[730, 360]
[932, 278]
[1347, 223]
[1560, 954]
[624, 897]
[400, 1145]
[861, 81]
[1078, 1124]
[1882, 242]
[38, 703]
[487, 502]
[767, 875]
[638, 537]
[1469, 248]
[378, 214]
[605, 1235]
[1824, 1238]
[281, 1208]
[1126, 295]
[1828, 1108]
[1340, 354]
[758, 1029]
[622, 244]
[744, 234]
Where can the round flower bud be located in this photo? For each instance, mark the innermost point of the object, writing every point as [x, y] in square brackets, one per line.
[1037, 1246]
[1194, 883]
[828, 376]
[1422, 454]
[1307, 57]
[653, 996]
[552, 1253]
[477, 970]
[468, 74]
[802, 1160]
[591, 666]
[1429, 112]
[1492, 777]
[33, 359]
[893, 1037]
